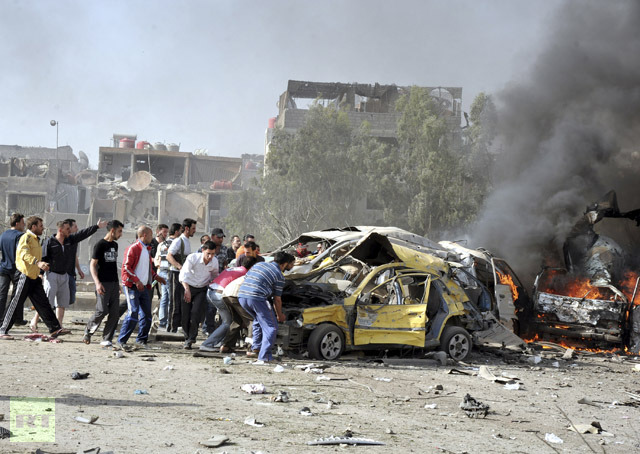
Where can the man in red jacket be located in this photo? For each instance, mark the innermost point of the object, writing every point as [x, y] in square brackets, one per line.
[137, 276]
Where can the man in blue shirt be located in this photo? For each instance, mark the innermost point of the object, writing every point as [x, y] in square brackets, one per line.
[8, 244]
[261, 282]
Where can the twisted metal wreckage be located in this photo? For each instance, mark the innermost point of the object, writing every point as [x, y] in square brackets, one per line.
[385, 288]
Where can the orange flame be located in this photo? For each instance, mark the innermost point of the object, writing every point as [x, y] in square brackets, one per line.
[505, 279]
[628, 285]
[557, 282]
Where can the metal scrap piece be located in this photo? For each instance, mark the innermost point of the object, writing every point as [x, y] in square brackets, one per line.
[474, 408]
[344, 441]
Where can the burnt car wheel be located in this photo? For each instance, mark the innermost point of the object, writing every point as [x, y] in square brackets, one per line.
[326, 342]
[456, 342]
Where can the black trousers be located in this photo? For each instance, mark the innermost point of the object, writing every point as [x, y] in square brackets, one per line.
[107, 304]
[5, 281]
[176, 298]
[193, 312]
[32, 289]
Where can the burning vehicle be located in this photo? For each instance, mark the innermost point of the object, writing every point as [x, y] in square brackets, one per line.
[384, 293]
[591, 302]
[491, 284]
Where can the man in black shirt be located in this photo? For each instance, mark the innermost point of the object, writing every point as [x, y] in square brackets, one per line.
[104, 270]
[59, 253]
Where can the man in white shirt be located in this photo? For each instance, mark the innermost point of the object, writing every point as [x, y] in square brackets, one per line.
[198, 270]
[176, 255]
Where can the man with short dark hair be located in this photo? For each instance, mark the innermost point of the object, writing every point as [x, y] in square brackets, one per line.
[59, 253]
[199, 269]
[75, 264]
[176, 255]
[263, 281]
[251, 249]
[222, 255]
[137, 276]
[8, 245]
[203, 239]
[29, 264]
[104, 270]
[162, 265]
[235, 244]
[215, 297]
[247, 237]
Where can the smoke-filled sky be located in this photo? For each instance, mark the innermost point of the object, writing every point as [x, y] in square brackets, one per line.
[208, 74]
[571, 131]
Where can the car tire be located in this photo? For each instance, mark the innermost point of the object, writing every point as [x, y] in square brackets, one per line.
[456, 342]
[326, 342]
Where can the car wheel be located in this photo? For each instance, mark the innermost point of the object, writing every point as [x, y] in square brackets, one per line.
[456, 342]
[326, 342]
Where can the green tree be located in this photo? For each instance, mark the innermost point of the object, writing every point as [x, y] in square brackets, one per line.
[310, 182]
[418, 180]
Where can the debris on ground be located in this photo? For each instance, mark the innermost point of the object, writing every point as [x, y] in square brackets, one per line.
[344, 441]
[306, 411]
[441, 357]
[278, 368]
[84, 420]
[587, 401]
[140, 391]
[80, 375]
[593, 428]
[552, 438]
[254, 388]
[474, 408]
[282, 396]
[215, 441]
[118, 354]
[251, 421]
[431, 406]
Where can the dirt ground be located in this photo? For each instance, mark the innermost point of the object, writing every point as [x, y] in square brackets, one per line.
[199, 397]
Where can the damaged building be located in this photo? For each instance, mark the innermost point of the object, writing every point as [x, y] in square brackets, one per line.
[136, 182]
[42, 181]
[371, 103]
[159, 184]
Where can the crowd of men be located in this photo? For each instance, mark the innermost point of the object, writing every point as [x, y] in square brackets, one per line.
[232, 281]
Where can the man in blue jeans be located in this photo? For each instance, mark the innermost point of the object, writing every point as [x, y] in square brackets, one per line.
[137, 276]
[215, 297]
[261, 282]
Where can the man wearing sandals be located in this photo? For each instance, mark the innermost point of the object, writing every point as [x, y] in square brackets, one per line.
[29, 264]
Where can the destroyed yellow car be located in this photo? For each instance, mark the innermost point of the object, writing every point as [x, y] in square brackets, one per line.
[381, 295]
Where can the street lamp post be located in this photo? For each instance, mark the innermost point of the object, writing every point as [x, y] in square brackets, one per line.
[56, 123]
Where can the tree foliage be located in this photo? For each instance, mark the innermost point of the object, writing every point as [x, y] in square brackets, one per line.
[323, 174]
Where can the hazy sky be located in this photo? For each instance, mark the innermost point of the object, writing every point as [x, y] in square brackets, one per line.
[208, 74]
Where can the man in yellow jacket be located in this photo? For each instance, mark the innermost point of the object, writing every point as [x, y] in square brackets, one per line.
[29, 264]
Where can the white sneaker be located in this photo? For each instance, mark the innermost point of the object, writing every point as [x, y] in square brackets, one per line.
[106, 344]
[258, 363]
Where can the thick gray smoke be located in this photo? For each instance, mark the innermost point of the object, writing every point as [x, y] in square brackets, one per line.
[570, 133]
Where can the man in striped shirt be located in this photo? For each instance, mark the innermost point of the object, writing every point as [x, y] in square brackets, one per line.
[261, 282]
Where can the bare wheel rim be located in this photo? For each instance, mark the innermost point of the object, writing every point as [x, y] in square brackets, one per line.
[458, 346]
[330, 345]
